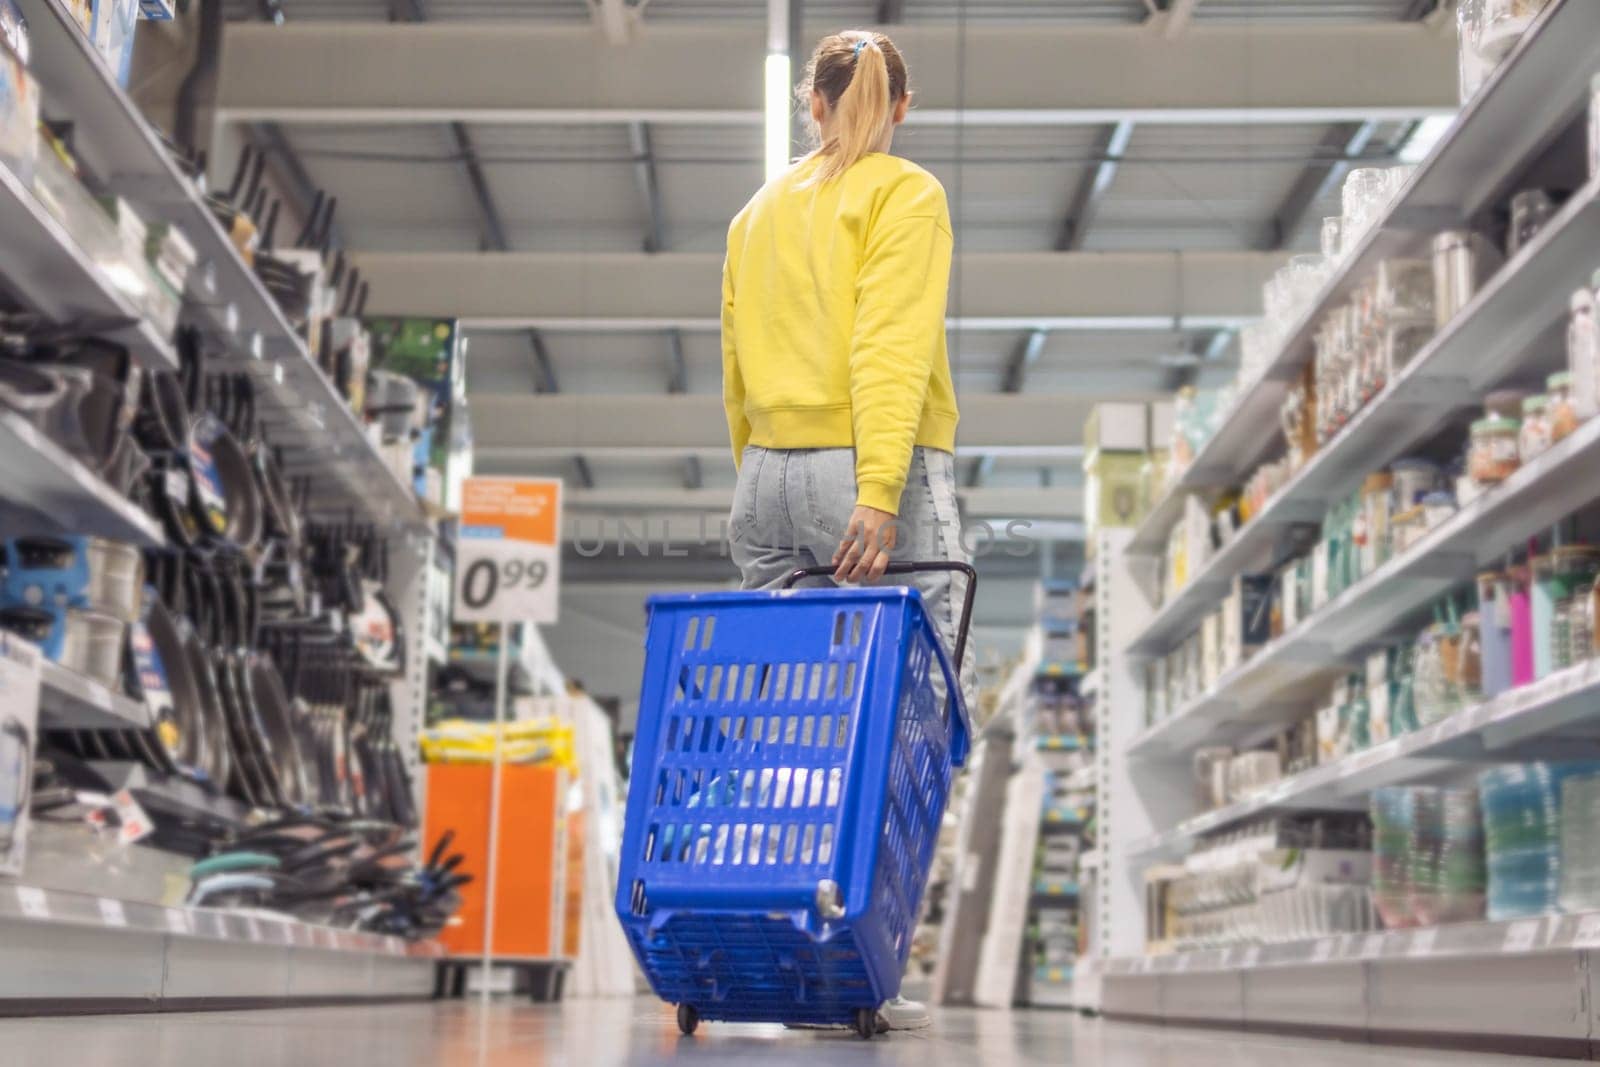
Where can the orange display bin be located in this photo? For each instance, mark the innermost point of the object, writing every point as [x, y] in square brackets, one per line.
[533, 895]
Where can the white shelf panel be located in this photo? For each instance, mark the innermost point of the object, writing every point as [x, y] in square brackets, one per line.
[1524, 302]
[52, 275]
[73, 701]
[121, 145]
[1536, 496]
[1479, 940]
[1536, 710]
[1539, 90]
[40, 474]
[33, 905]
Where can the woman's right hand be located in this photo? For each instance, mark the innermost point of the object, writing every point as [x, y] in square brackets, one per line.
[863, 555]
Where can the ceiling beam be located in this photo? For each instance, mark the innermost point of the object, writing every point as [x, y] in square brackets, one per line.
[493, 237]
[1044, 502]
[644, 171]
[1179, 14]
[686, 423]
[337, 72]
[1342, 144]
[1000, 290]
[718, 455]
[1093, 188]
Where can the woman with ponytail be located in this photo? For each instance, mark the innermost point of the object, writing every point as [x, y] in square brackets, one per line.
[836, 379]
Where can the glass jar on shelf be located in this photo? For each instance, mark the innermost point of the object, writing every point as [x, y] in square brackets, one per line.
[1563, 417]
[1494, 454]
[1504, 23]
[1534, 437]
[1531, 211]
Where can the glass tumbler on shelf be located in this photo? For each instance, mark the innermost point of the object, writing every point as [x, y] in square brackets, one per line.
[1363, 198]
[1332, 244]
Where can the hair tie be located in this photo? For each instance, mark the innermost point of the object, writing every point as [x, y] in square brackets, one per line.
[860, 45]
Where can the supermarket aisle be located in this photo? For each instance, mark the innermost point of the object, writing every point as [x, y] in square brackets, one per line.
[639, 1033]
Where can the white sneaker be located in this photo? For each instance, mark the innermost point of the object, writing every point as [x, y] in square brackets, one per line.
[903, 1014]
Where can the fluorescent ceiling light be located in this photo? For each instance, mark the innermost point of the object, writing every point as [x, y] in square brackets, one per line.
[1429, 132]
[777, 114]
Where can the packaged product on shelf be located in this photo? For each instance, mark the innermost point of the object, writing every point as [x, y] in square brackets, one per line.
[1333, 732]
[1522, 824]
[1494, 633]
[1210, 650]
[1112, 488]
[111, 31]
[1246, 618]
[156, 10]
[1413, 480]
[1531, 211]
[19, 117]
[1563, 579]
[1437, 507]
[1583, 355]
[1297, 746]
[1463, 261]
[1580, 843]
[1195, 530]
[1251, 772]
[1117, 426]
[13, 30]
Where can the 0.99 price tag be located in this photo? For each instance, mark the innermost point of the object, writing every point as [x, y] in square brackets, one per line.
[508, 560]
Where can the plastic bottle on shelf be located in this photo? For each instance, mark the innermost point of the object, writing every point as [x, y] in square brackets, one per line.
[1594, 127]
[1583, 355]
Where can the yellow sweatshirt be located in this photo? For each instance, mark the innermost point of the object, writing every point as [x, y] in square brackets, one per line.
[833, 302]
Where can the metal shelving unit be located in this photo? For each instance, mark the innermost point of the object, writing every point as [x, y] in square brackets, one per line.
[1521, 305]
[1524, 984]
[62, 948]
[58, 946]
[1489, 730]
[42, 476]
[1534, 498]
[75, 702]
[1537, 91]
[324, 437]
[55, 278]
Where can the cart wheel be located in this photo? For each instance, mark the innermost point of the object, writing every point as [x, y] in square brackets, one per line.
[688, 1019]
[866, 1023]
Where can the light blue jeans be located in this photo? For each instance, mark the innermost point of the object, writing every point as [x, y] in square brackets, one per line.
[792, 507]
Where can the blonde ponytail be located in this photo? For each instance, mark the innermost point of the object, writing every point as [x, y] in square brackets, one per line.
[862, 76]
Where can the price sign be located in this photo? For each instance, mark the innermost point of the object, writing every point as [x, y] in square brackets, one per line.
[508, 566]
[1520, 936]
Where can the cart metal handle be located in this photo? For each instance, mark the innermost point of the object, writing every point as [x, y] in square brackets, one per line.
[912, 567]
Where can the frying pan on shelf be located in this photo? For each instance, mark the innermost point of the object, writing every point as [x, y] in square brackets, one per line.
[247, 780]
[165, 682]
[277, 715]
[225, 499]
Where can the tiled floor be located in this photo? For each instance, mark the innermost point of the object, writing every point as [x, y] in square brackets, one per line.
[603, 1033]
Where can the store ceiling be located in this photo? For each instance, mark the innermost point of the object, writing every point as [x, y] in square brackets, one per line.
[557, 183]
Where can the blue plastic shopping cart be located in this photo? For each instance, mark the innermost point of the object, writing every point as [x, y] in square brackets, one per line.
[791, 768]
